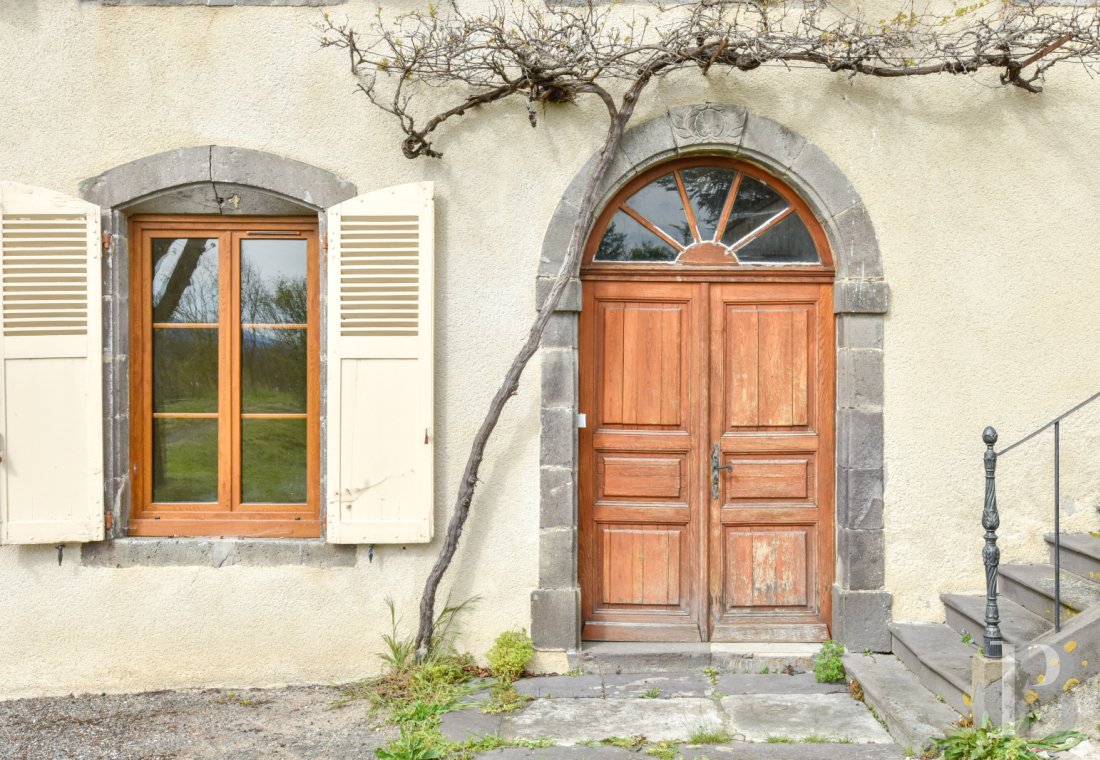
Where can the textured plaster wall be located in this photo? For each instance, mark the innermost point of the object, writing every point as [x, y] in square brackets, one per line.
[983, 201]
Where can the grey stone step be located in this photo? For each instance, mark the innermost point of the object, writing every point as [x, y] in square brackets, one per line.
[912, 714]
[938, 658]
[1080, 554]
[607, 657]
[1033, 587]
[1019, 625]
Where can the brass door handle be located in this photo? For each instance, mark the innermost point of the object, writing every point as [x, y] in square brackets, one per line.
[716, 467]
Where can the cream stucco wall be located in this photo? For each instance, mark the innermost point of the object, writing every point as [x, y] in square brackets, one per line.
[984, 201]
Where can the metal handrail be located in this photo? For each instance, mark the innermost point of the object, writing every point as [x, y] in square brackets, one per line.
[1054, 421]
[991, 520]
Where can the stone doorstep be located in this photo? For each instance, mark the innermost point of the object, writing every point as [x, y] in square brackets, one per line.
[650, 657]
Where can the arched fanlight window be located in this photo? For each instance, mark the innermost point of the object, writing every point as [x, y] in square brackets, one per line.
[707, 211]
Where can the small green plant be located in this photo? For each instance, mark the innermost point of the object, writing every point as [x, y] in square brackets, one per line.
[827, 664]
[988, 741]
[764, 671]
[651, 693]
[967, 638]
[815, 739]
[504, 698]
[409, 745]
[780, 740]
[632, 743]
[574, 672]
[712, 674]
[663, 751]
[939, 697]
[510, 655]
[703, 735]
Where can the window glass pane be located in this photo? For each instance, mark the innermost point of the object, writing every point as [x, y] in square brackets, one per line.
[756, 203]
[185, 369]
[789, 241]
[273, 461]
[626, 240]
[707, 189]
[660, 203]
[185, 460]
[185, 280]
[273, 370]
[273, 282]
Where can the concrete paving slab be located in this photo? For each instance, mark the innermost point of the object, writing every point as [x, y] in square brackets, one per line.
[626, 685]
[800, 683]
[466, 724]
[713, 752]
[558, 687]
[798, 716]
[572, 721]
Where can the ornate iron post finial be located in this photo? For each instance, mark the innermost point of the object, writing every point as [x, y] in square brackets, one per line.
[991, 555]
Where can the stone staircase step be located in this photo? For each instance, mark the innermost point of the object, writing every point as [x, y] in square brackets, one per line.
[1033, 587]
[1019, 625]
[912, 714]
[1080, 554]
[938, 658]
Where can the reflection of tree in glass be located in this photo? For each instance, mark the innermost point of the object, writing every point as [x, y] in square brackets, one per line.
[708, 188]
[756, 203]
[614, 247]
[185, 370]
[185, 280]
[273, 361]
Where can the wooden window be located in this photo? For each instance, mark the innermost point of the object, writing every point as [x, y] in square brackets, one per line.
[707, 211]
[225, 377]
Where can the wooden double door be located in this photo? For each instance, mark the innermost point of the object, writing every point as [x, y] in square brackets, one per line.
[706, 461]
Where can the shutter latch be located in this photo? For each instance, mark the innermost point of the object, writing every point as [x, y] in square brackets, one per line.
[106, 241]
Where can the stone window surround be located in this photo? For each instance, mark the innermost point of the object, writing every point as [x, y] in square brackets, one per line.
[202, 179]
[861, 605]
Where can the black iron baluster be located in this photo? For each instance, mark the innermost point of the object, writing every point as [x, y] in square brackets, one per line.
[1057, 527]
[991, 555]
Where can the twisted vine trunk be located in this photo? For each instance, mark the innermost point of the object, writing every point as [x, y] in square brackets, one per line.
[619, 116]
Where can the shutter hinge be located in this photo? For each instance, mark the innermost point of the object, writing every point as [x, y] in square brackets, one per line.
[108, 520]
[106, 241]
[324, 243]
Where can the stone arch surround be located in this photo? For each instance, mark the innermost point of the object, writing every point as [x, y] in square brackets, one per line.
[861, 605]
[204, 179]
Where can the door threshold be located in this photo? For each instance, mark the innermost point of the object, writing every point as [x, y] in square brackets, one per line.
[665, 657]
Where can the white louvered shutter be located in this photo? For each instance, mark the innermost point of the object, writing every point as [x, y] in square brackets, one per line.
[51, 476]
[380, 435]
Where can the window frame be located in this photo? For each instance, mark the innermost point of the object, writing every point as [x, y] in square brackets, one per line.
[228, 516]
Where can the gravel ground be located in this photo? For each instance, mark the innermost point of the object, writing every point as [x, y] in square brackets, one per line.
[296, 722]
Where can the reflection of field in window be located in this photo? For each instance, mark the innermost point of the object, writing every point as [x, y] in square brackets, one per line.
[185, 460]
[273, 368]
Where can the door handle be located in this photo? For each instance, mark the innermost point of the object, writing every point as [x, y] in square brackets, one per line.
[716, 467]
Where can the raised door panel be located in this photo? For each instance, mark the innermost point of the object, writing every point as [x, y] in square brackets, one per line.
[770, 387]
[768, 351]
[639, 479]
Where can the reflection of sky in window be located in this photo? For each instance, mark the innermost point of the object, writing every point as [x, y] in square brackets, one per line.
[273, 280]
[274, 260]
[166, 264]
[660, 203]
